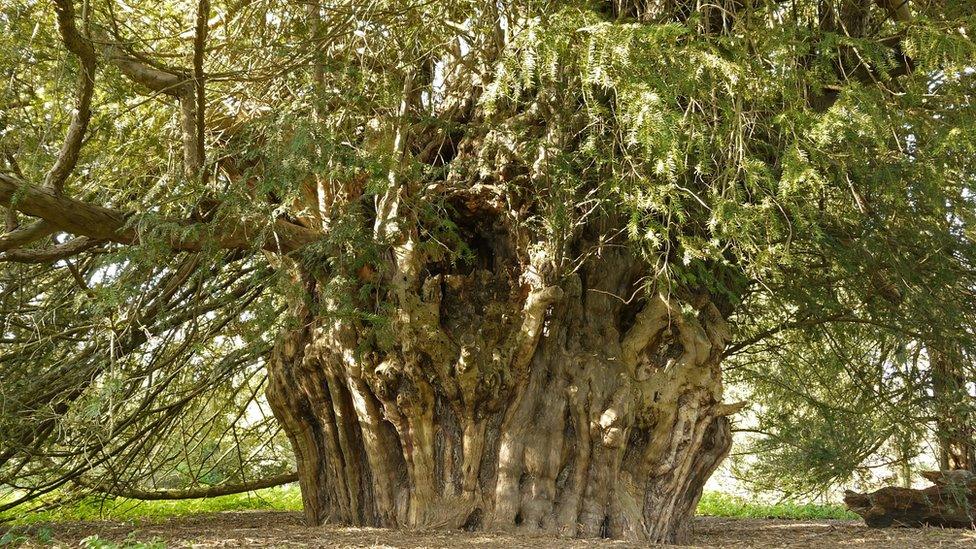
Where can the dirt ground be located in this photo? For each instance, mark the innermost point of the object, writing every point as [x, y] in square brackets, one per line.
[282, 529]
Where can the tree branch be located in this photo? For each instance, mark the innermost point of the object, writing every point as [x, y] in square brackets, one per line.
[96, 222]
[897, 8]
[73, 40]
[150, 77]
[196, 493]
[81, 47]
[650, 321]
[25, 235]
[187, 88]
[54, 253]
[196, 156]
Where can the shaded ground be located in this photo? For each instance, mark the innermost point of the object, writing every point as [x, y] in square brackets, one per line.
[285, 529]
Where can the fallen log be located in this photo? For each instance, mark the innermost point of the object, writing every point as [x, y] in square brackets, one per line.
[949, 503]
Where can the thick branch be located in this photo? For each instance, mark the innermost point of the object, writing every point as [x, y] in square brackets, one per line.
[83, 219]
[195, 493]
[948, 504]
[25, 235]
[150, 77]
[54, 253]
[70, 215]
[188, 89]
[73, 40]
[81, 47]
[898, 8]
[653, 318]
[533, 317]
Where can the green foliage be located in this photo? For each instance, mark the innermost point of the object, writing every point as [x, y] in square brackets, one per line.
[95, 542]
[287, 498]
[838, 229]
[10, 539]
[840, 399]
[717, 504]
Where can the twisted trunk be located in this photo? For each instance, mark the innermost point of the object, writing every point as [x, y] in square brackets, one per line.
[509, 403]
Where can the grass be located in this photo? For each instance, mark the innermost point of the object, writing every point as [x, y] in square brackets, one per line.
[30, 527]
[287, 498]
[44, 537]
[717, 504]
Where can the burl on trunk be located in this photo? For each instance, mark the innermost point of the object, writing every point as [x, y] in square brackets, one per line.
[506, 394]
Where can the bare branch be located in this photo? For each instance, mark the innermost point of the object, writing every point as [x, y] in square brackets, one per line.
[155, 79]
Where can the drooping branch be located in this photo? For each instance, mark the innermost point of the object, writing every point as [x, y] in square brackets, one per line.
[196, 493]
[96, 222]
[173, 307]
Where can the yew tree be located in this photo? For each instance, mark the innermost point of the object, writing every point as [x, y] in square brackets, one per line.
[487, 258]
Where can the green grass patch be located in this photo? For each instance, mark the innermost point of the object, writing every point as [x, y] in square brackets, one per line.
[716, 504]
[286, 498]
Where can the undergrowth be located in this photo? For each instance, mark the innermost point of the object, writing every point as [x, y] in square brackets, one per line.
[107, 508]
[717, 504]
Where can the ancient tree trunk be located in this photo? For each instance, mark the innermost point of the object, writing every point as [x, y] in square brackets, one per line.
[508, 400]
[950, 503]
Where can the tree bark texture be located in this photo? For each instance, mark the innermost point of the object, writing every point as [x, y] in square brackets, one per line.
[508, 397]
[949, 503]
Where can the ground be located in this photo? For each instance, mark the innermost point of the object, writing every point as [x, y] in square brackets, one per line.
[285, 529]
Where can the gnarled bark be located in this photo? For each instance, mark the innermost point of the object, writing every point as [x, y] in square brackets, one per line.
[509, 401]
